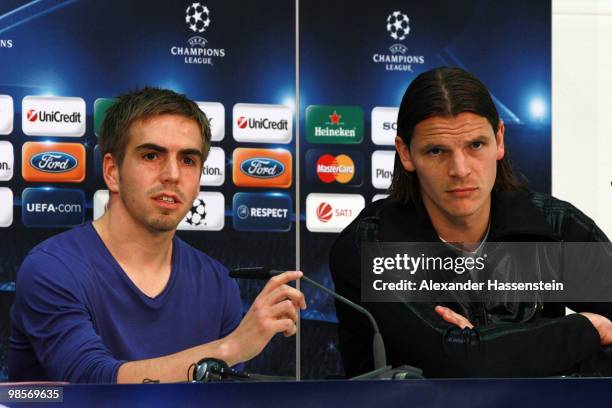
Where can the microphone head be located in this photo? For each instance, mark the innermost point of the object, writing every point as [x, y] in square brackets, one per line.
[257, 272]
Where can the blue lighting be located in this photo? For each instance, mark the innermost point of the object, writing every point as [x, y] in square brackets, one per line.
[537, 108]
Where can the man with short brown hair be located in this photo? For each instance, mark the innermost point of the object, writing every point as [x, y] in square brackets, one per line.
[123, 299]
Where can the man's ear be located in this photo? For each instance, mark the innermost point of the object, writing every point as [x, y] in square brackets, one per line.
[499, 139]
[110, 171]
[404, 154]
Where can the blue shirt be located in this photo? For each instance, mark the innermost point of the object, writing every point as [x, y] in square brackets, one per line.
[77, 316]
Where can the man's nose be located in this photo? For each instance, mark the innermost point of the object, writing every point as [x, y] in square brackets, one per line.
[171, 171]
[459, 166]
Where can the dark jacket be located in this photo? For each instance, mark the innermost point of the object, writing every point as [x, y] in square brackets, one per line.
[540, 342]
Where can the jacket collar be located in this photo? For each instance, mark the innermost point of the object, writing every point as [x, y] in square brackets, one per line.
[513, 216]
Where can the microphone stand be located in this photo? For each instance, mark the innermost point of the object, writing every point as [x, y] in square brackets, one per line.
[381, 369]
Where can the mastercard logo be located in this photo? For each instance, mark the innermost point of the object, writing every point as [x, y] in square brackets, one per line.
[53, 162]
[339, 168]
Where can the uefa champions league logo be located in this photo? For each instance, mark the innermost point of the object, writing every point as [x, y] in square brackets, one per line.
[397, 25]
[197, 213]
[399, 57]
[197, 17]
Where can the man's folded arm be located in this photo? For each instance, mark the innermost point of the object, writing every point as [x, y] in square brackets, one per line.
[414, 334]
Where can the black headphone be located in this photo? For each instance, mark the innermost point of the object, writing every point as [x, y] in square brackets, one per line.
[211, 369]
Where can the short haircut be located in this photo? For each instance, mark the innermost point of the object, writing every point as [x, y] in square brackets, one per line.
[143, 104]
[444, 92]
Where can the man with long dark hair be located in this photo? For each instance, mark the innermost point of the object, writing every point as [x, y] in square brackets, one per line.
[453, 183]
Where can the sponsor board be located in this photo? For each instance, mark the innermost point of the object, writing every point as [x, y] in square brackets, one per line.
[6, 207]
[196, 50]
[100, 203]
[6, 114]
[53, 162]
[213, 172]
[398, 57]
[334, 167]
[215, 112]
[382, 168]
[101, 105]
[47, 207]
[262, 168]
[334, 124]
[332, 212]
[206, 214]
[270, 212]
[53, 116]
[258, 123]
[384, 125]
[7, 160]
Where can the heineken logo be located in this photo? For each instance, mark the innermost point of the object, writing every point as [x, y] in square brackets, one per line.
[334, 119]
[334, 124]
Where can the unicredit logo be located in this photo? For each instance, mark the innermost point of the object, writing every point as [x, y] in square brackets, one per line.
[32, 115]
[242, 122]
[262, 167]
[340, 168]
[264, 123]
[260, 123]
[324, 212]
[53, 162]
[53, 116]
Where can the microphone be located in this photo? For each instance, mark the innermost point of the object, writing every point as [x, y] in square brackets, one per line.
[257, 272]
[378, 345]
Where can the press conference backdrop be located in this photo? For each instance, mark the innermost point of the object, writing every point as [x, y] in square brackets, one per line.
[64, 61]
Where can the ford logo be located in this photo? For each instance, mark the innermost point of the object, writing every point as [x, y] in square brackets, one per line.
[53, 162]
[262, 167]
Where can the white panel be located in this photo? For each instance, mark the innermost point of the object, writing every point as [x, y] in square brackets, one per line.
[582, 107]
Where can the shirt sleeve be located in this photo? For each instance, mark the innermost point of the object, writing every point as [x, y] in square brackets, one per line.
[51, 310]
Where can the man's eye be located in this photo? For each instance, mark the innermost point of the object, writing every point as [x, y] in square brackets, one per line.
[477, 145]
[189, 161]
[150, 156]
[434, 152]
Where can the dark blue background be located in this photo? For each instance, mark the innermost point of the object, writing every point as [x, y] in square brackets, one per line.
[506, 43]
[98, 49]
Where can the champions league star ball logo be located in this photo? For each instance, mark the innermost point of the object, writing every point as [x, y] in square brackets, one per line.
[197, 17]
[399, 58]
[397, 25]
[197, 213]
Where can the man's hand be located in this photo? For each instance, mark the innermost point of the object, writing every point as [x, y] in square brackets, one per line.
[275, 310]
[452, 317]
[602, 325]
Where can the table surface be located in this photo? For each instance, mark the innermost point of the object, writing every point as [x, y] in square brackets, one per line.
[455, 393]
